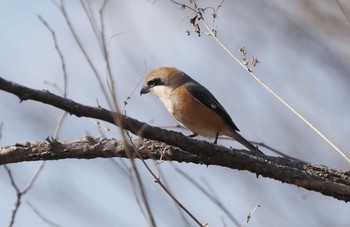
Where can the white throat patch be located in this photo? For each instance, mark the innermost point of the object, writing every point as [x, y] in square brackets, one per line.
[164, 93]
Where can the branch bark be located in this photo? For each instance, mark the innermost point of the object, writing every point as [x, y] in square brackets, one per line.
[178, 147]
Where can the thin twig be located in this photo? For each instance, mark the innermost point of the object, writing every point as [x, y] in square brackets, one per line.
[131, 93]
[92, 21]
[20, 193]
[137, 191]
[114, 106]
[343, 10]
[62, 8]
[111, 87]
[182, 213]
[275, 150]
[249, 216]
[18, 196]
[140, 184]
[158, 181]
[59, 124]
[42, 217]
[1, 125]
[105, 51]
[206, 193]
[122, 168]
[36, 175]
[60, 54]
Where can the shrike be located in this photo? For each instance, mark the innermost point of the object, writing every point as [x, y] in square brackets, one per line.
[192, 105]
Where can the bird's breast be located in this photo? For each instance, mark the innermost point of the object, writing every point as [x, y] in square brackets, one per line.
[165, 94]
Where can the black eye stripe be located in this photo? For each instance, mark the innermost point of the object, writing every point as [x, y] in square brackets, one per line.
[155, 82]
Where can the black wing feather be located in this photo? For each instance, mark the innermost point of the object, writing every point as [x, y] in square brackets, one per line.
[206, 98]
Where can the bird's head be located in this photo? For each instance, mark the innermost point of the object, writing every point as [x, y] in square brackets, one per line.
[164, 79]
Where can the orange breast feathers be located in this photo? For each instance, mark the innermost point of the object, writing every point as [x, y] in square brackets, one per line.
[195, 116]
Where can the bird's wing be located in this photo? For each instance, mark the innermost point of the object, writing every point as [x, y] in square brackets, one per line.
[202, 95]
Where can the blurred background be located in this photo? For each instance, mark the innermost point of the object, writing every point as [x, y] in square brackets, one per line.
[304, 50]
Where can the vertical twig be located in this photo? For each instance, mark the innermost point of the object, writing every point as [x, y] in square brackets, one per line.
[1, 125]
[92, 21]
[64, 70]
[62, 8]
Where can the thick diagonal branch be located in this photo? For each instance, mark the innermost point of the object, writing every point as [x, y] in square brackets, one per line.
[317, 178]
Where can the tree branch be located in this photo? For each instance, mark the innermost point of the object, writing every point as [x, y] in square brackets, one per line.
[327, 181]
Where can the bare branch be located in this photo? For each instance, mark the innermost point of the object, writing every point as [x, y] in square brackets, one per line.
[327, 181]
[318, 178]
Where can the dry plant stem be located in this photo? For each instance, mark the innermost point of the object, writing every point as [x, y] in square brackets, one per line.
[62, 8]
[249, 216]
[200, 11]
[131, 93]
[278, 97]
[158, 181]
[1, 125]
[137, 183]
[181, 212]
[116, 118]
[275, 150]
[140, 185]
[122, 169]
[325, 180]
[42, 217]
[64, 70]
[214, 199]
[105, 49]
[111, 87]
[92, 21]
[60, 54]
[59, 124]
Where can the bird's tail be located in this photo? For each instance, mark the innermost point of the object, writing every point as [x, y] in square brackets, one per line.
[240, 139]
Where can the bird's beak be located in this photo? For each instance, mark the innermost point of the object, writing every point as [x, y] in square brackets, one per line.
[145, 90]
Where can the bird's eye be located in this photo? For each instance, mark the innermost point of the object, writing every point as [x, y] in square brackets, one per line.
[154, 82]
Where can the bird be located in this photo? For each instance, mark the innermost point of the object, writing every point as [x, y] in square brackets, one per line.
[192, 105]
